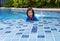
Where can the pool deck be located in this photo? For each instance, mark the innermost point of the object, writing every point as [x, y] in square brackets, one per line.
[41, 9]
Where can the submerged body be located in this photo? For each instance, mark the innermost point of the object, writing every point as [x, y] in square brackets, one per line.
[31, 19]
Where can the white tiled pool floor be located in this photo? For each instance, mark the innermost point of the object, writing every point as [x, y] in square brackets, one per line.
[16, 30]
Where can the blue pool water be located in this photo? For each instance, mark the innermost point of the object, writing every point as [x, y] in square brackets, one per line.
[10, 14]
[13, 26]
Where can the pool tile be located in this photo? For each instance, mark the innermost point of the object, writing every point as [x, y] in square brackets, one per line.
[47, 31]
[1, 28]
[57, 24]
[18, 27]
[35, 24]
[20, 24]
[21, 29]
[8, 32]
[40, 22]
[24, 39]
[41, 36]
[44, 20]
[45, 23]
[40, 25]
[59, 30]
[24, 25]
[46, 27]
[25, 36]
[49, 22]
[34, 29]
[54, 29]
[10, 24]
[18, 33]
[8, 27]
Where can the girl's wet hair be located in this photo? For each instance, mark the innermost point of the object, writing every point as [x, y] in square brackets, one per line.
[30, 9]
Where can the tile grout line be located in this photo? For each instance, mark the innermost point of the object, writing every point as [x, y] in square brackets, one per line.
[44, 30]
[6, 36]
[23, 33]
[56, 28]
[30, 33]
[3, 33]
[52, 33]
[14, 36]
[9, 34]
[37, 33]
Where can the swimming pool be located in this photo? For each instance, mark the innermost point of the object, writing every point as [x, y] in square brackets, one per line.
[18, 14]
[13, 26]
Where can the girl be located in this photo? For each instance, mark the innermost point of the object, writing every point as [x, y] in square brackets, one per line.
[30, 15]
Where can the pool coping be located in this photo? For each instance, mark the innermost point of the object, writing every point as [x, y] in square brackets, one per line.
[41, 9]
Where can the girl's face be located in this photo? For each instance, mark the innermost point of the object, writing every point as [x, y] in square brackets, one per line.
[30, 13]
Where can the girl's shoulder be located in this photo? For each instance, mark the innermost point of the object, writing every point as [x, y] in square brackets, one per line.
[35, 18]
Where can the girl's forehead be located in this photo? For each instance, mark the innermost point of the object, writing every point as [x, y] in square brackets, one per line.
[29, 10]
